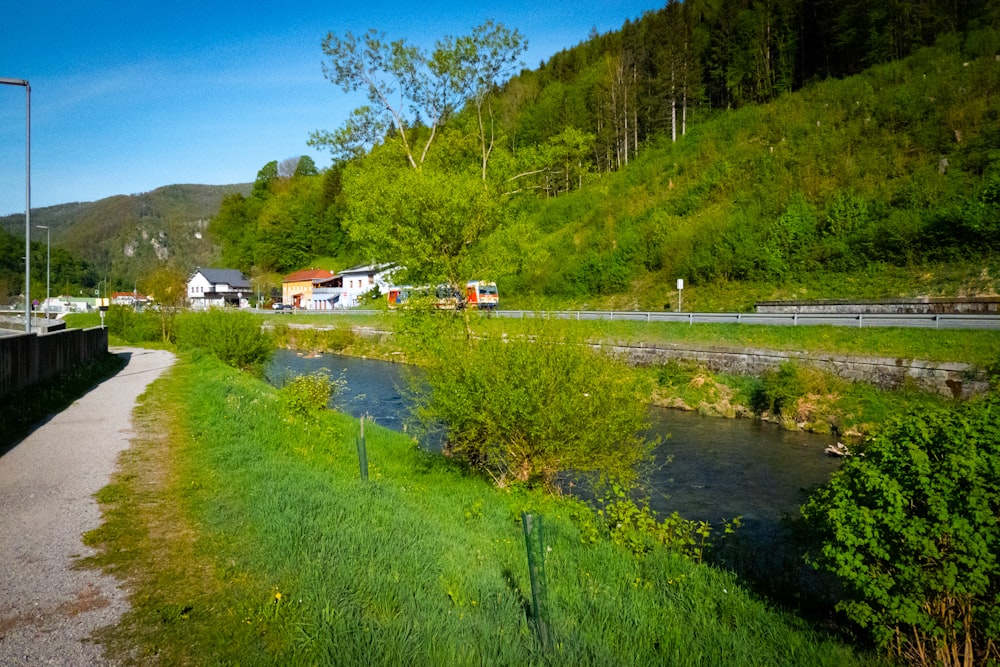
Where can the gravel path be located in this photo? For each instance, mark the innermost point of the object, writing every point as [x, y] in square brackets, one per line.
[48, 609]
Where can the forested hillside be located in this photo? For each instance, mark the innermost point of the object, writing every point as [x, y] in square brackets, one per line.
[790, 147]
[122, 238]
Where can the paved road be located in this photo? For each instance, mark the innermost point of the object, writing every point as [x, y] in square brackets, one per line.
[48, 610]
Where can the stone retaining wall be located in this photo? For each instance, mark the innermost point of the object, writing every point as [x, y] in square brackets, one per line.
[980, 305]
[947, 378]
[953, 379]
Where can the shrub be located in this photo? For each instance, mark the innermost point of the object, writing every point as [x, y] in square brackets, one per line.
[526, 410]
[778, 391]
[131, 326]
[912, 530]
[235, 337]
[639, 529]
[305, 395]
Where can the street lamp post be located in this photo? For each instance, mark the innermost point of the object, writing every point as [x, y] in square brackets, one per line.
[27, 201]
[48, 268]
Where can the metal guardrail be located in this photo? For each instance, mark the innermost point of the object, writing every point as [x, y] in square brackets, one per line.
[924, 321]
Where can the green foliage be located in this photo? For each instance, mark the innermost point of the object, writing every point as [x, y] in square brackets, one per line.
[526, 410]
[235, 337]
[131, 326]
[304, 395]
[640, 530]
[427, 220]
[912, 529]
[66, 271]
[779, 390]
[401, 79]
[257, 545]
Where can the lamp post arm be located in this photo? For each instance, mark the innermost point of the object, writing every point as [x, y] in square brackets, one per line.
[27, 205]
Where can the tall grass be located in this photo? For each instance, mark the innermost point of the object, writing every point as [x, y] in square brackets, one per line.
[248, 539]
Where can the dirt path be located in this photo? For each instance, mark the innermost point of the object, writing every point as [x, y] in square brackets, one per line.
[48, 609]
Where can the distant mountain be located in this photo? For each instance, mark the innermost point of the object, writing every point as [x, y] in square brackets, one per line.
[129, 235]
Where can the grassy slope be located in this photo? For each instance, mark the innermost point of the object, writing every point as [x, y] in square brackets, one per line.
[979, 348]
[878, 137]
[248, 539]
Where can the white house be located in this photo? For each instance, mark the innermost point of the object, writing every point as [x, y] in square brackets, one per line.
[218, 287]
[361, 280]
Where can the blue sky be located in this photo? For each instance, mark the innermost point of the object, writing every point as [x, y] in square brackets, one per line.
[130, 95]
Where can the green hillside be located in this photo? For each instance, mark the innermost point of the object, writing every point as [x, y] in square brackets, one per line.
[757, 150]
[639, 157]
[127, 236]
[883, 183]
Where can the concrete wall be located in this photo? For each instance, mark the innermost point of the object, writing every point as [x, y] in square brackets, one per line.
[26, 359]
[946, 378]
[983, 305]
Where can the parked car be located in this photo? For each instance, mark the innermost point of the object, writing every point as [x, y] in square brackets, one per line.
[282, 307]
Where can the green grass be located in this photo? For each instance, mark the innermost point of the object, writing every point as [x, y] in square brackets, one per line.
[249, 539]
[979, 348]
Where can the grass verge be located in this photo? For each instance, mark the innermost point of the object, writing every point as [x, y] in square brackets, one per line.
[975, 347]
[247, 538]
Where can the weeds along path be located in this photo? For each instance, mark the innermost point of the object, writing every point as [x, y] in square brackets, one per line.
[48, 607]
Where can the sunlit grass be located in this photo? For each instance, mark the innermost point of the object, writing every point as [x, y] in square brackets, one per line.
[248, 538]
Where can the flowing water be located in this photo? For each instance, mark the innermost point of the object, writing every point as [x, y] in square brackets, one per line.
[718, 469]
[711, 469]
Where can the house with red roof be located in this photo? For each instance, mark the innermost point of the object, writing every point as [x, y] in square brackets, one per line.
[297, 289]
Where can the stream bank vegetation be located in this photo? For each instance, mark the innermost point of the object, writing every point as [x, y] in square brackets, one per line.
[795, 396]
[911, 528]
[250, 539]
[246, 534]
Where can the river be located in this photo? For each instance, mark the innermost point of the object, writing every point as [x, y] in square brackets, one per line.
[718, 469]
[709, 469]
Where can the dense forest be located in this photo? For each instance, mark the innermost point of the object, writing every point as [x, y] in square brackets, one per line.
[66, 272]
[725, 141]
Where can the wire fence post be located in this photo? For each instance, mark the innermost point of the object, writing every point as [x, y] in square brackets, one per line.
[363, 453]
[535, 543]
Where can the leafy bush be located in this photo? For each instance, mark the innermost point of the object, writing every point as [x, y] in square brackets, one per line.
[912, 530]
[233, 336]
[305, 395]
[131, 326]
[526, 410]
[778, 391]
[639, 529]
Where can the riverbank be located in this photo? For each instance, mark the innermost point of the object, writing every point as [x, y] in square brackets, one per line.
[794, 395]
[252, 541]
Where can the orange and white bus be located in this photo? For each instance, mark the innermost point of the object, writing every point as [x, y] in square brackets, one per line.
[482, 295]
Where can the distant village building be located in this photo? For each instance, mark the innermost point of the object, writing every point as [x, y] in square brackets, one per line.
[298, 289]
[361, 280]
[319, 289]
[134, 299]
[218, 287]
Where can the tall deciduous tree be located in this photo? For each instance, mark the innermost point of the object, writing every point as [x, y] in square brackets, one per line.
[168, 289]
[427, 220]
[409, 89]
